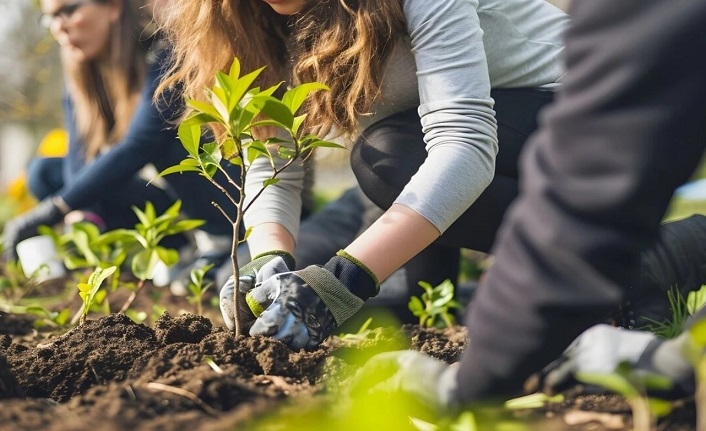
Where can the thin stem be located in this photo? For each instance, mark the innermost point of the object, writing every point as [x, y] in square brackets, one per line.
[641, 414]
[132, 297]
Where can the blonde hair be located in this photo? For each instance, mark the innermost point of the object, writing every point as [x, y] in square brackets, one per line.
[105, 92]
[341, 43]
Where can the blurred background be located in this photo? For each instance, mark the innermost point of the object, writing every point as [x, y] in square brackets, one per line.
[31, 87]
[30, 93]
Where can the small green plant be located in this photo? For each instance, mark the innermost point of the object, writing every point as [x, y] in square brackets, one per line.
[14, 284]
[533, 401]
[434, 306]
[633, 385]
[235, 108]
[149, 233]
[359, 335]
[88, 291]
[197, 287]
[682, 308]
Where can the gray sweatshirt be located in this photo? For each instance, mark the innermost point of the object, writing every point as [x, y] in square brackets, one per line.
[453, 53]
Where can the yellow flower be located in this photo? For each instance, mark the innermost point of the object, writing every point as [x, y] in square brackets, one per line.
[54, 144]
[17, 189]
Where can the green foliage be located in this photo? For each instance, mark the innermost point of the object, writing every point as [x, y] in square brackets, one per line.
[533, 401]
[197, 287]
[434, 306]
[682, 308]
[14, 285]
[359, 335]
[149, 233]
[236, 108]
[88, 291]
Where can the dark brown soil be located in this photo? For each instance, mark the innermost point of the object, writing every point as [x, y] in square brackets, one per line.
[186, 373]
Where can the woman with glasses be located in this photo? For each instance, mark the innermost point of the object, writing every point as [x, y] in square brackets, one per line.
[112, 60]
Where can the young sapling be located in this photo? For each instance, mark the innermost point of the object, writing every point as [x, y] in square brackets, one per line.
[235, 109]
[197, 287]
[87, 291]
[434, 306]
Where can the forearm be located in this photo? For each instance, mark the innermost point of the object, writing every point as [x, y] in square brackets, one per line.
[397, 236]
[270, 236]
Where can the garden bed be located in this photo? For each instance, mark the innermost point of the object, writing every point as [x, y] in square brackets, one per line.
[188, 372]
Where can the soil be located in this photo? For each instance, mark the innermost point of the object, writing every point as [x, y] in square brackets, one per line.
[187, 371]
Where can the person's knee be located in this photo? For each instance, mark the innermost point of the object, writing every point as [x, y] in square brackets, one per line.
[44, 177]
[387, 154]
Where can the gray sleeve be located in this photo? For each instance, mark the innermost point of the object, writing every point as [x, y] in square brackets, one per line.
[456, 109]
[279, 203]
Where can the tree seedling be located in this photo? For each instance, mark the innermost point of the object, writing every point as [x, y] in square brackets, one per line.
[88, 291]
[434, 306]
[234, 109]
[633, 385]
[149, 233]
[197, 287]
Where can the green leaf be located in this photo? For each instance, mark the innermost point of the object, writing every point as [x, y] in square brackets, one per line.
[229, 149]
[178, 169]
[698, 333]
[295, 97]
[270, 182]
[190, 137]
[286, 152]
[167, 255]
[612, 382]
[277, 111]
[321, 144]
[218, 100]
[143, 264]
[205, 108]
[200, 119]
[241, 86]
[234, 71]
[257, 149]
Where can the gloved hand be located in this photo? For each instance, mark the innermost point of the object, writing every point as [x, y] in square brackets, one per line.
[259, 269]
[302, 308]
[429, 380]
[601, 348]
[25, 225]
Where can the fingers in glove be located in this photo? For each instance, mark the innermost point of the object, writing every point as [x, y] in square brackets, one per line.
[297, 299]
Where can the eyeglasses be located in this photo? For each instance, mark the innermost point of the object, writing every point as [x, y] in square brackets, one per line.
[65, 12]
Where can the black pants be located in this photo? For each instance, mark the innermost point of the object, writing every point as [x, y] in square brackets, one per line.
[626, 130]
[390, 151]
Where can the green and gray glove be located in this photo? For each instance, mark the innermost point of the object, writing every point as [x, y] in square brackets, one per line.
[259, 269]
[302, 308]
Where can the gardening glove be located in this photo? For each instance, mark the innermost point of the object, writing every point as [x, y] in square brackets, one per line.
[262, 267]
[602, 348]
[302, 308]
[429, 380]
[47, 212]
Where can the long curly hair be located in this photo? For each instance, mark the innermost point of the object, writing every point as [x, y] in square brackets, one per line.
[105, 92]
[341, 43]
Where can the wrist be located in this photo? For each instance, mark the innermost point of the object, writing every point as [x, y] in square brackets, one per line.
[285, 255]
[357, 277]
[61, 205]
